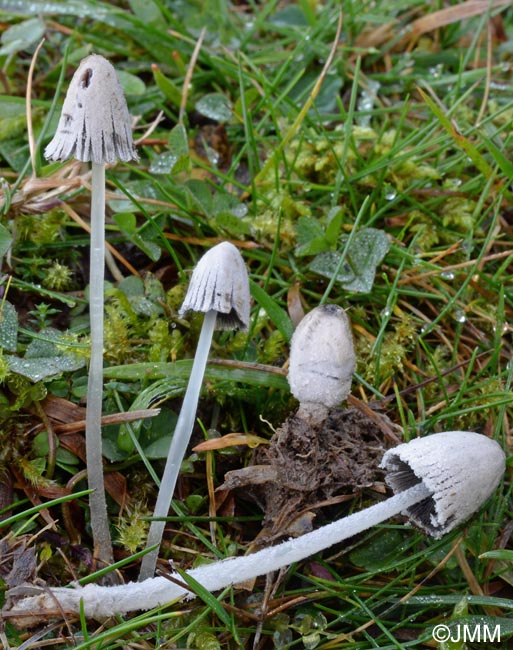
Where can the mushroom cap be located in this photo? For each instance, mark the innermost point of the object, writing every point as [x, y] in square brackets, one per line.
[95, 123]
[461, 468]
[220, 283]
[322, 357]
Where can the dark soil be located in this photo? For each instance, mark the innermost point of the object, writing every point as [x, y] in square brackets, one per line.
[311, 465]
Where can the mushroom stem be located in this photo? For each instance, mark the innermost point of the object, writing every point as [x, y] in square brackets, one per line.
[99, 520]
[100, 602]
[179, 442]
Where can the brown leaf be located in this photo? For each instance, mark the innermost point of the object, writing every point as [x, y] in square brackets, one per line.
[454, 14]
[231, 440]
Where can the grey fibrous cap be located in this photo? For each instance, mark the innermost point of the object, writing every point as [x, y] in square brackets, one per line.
[95, 123]
[220, 283]
[322, 357]
[461, 468]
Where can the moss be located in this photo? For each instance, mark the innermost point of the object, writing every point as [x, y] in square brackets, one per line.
[133, 529]
[39, 229]
[58, 277]
[458, 213]
[393, 351]
[274, 348]
[4, 367]
[116, 335]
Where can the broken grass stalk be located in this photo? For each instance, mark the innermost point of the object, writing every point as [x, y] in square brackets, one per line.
[95, 126]
[441, 480]
[219, 288]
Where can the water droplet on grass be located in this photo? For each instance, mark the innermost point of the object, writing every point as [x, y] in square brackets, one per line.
[459, 316]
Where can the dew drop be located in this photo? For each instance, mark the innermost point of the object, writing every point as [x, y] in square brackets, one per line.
[436, 70]
[447, 275]
[459, 316]
[240, 210]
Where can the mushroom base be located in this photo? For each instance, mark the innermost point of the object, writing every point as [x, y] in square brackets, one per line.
[311, 465]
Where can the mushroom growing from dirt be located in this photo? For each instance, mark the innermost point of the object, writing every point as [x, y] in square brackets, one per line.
[441, 480]
[219, 288]
[95, 126]
[321, 453]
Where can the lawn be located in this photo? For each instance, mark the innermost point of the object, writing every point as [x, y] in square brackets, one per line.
[356, 154]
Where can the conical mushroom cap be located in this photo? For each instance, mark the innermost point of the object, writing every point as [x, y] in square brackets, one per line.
[220, 283]
[94, 123]
[322, 357]
[461, 468]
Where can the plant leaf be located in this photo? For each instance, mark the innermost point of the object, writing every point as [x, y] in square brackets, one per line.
[44, 358]
[358, 270]
[215, 106]
[5, 240]
[310, 237]
[278, 315]
[8, 327]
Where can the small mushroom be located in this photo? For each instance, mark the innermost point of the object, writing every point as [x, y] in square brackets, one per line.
[95, 126]
[219, 288]
[441, 481]
[322, 361]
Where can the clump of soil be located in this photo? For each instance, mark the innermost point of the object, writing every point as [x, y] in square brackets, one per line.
[310, 464]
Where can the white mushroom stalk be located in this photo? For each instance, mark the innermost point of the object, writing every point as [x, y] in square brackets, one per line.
[441, 480]
[322, 361]
[95, 126]
[219, 288]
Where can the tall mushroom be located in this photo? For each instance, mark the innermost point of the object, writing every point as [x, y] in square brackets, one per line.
[219, 288]
[441, 480]
[95, 126]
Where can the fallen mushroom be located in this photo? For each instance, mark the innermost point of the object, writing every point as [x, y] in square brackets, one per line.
[95, 126]
[441, 480]
[219, 288]
[322, 361]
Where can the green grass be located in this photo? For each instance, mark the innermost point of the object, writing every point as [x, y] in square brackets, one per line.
[305, 168]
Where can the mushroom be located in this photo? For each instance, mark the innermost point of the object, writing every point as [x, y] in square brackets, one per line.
[461, 469]
[95, 126]
[219, 288]
[322, 361]
[441, 480]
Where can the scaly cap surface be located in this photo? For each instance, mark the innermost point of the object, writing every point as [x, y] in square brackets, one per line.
[220, 283]
[95, 123]
[461, 468]
[322, 357]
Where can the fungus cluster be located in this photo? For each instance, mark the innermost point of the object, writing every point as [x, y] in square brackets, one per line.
[438, 481]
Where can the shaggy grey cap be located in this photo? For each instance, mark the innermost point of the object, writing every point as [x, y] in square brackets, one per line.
[220, 283]
[461, 468]
[322, 357]
[95, 123]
